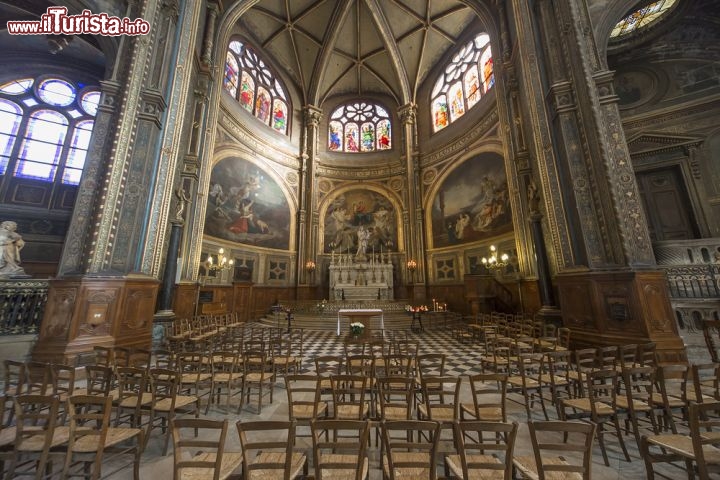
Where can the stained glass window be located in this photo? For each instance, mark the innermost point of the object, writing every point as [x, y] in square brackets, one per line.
[56, 92]
[359, 127]
[642, 17]
[259, 91]
[279, 118]
[46, 129]
[10, 118]
[90, 102]
[467, 77]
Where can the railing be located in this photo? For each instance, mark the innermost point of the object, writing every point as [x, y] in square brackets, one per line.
[22, 303]
[705, 251]
[694, 281]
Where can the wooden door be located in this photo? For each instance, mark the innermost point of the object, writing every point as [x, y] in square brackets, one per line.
[667, 205]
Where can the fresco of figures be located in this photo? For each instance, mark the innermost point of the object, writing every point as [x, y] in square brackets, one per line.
[360, 221]
[246, 206]
[472, 202]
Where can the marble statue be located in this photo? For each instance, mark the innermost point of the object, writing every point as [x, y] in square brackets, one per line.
[11, 243]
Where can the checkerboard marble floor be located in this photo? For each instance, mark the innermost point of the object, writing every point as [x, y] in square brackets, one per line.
[461, 359]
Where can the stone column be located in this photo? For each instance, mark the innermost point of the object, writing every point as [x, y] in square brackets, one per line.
[610, 291]
[308, 217]
[113, 295]
[412, 216]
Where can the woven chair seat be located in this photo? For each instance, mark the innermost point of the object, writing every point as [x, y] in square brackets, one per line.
[584, 405]
[230, 462]
[338, 461]
[399, 458]
[454, 463]
[528, 469]
[297, 463]
[115, 435]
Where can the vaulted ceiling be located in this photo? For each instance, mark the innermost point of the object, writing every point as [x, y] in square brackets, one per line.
[358, 47]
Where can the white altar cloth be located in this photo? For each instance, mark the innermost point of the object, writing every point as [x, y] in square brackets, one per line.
[357, 314]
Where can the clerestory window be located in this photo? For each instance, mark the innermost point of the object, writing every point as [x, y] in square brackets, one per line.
[642, 17]
[467, 77]
[357, 127]
[254, 85]
[45, 128]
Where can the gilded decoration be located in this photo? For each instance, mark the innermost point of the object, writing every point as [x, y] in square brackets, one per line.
[360, 216]
[472, 202]
[245, 205]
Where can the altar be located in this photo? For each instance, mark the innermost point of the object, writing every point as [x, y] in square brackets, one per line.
[361, 277]
[362, 315]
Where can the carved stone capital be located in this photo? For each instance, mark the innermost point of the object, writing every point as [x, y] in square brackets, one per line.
[312, 115]
[408, 113]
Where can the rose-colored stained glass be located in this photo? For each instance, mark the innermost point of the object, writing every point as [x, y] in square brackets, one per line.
[351, 138]
[383, 135]
[247, 92]
[457, 101]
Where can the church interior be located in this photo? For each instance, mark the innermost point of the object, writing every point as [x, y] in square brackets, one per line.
[453, 173]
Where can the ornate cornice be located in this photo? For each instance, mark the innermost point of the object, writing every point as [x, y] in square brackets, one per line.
[255, 142]
[463, 142]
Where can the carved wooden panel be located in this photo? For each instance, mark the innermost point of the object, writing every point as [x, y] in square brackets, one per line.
[185, 298]
[59, 312]
[577, 305]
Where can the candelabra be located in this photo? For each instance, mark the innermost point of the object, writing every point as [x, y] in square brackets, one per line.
[412, 266]
[223, 263]
[494, 262]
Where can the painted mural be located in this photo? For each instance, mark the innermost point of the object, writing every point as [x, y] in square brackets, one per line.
[360, 219]
[246, 206]
[472, 203]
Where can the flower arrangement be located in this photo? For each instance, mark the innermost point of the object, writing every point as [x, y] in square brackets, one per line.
[411, 309]
[356, 328]
[321, 306]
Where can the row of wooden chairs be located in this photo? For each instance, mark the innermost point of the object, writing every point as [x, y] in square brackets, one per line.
[38, 438]
[410, 449]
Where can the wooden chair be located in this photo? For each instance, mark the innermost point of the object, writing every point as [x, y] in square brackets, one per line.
[600, 407]
[258, 375]
[98, 381]
[554, 459]
[268, 451]
[199, 450]
[700, 450]
[441, 400]
[557, 377]
[38, 377]
[704, 387]
[226, 377]
[639, 384]
[37, 432]
[325, 367]
[167, 402]
[195, 375]
[341, 457]
[93, 440]
[349, 402]
[528, 382]
[133, 395]
[7, 434]
[494, 459]
[410, 448]
[304, 404]
[672, 380]
[489, 392]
